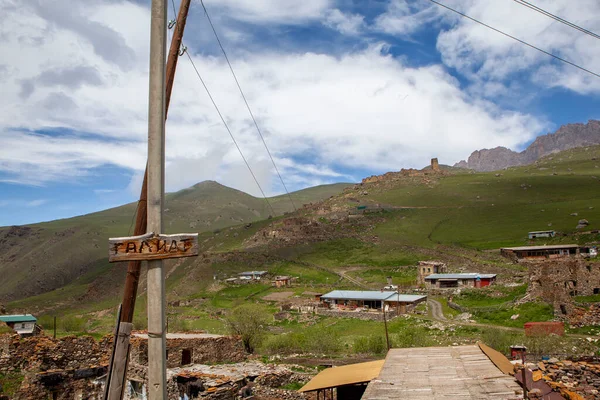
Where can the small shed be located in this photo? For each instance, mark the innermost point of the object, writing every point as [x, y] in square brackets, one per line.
[348, 382]
[541, 234]
[282, 281]
[23, 324]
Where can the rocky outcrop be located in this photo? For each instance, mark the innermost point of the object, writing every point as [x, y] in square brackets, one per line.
[566, 137]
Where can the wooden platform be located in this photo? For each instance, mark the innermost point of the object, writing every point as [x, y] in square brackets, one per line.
[458, 372]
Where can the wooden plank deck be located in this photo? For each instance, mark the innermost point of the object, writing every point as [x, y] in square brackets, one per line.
[457, 372]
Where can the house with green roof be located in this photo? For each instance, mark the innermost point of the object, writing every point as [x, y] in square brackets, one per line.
[23, 324]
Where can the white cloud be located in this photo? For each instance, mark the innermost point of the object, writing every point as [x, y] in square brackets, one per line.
[36, 203]
[347, 24]
[404, 18]
[320, 114]
[483, 54]
[270, 11]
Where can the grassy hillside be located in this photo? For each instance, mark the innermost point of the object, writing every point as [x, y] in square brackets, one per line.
[458, 216]
[41, 257]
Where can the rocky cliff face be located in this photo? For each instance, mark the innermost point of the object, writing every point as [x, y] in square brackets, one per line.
[566, 137]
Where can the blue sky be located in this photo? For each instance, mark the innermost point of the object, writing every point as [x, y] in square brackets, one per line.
[341, 89]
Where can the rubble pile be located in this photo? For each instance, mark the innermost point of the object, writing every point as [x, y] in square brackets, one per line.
[220, 382]
[573, 378]
[581, 316]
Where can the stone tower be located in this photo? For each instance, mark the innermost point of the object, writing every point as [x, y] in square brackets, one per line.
[435, 166]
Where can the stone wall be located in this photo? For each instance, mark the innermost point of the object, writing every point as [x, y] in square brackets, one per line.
[224, 349]
[365, 316]
[42, 353]
[557, 281]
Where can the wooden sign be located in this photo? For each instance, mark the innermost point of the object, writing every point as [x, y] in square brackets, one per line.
[152, 247]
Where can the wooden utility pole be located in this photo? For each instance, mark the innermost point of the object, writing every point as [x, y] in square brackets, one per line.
[117, 375]
[387, 336]
[134, 267]
[157, 343]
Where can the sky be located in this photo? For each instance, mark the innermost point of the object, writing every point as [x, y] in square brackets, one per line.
[341, 89]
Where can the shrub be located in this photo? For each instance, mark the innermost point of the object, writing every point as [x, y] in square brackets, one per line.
[411, 336]
[71, 323]
[374, 344]
[248, 321]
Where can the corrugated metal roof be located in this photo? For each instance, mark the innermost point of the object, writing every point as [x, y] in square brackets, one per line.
[345, 375]
[550, 247]
[18, 318]
[358, 295]
[471, 275]
[372, 295]
[406, 298]
[253, 273]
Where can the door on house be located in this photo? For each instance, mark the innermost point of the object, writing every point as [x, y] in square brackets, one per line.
[186, 357]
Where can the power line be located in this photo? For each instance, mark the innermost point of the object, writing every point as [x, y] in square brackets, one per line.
[223, 120]
[557, 18]
[246, 101]
[230, 134]
[517, 39]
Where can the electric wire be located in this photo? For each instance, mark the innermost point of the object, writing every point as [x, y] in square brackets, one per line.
[517, 39]
[230, 133]
[223, 120]
[246, 101]
[557, 18]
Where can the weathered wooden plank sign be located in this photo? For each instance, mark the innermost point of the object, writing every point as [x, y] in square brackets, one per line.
[152, 247]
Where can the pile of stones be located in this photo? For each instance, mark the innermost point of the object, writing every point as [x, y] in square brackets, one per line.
[572, 378]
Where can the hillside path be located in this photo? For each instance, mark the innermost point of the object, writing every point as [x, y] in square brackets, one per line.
[436, 310]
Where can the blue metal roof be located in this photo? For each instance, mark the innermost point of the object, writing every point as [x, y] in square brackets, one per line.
[18, 318]
[470, 275]
[372, 295]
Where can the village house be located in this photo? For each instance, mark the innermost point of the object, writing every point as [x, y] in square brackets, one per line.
[427, 268]
[541, 234]
[252, 275]
[24, 324]
[448, 281]
[370, 300]
[282, 281]
[540, 252]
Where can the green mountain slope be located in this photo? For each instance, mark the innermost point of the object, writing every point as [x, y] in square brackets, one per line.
[41, 257]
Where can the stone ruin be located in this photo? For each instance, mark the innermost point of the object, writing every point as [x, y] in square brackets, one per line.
[75, 367]
[558, 281]
[435, 166]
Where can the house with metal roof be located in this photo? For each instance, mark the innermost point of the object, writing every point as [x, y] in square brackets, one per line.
[540, 252]
[541, 234]
[375, 300]
[253, 275]
[448, 281]
[23, 324]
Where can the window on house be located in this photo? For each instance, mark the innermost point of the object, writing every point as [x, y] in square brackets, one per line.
[596, 290]
[23, 326]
